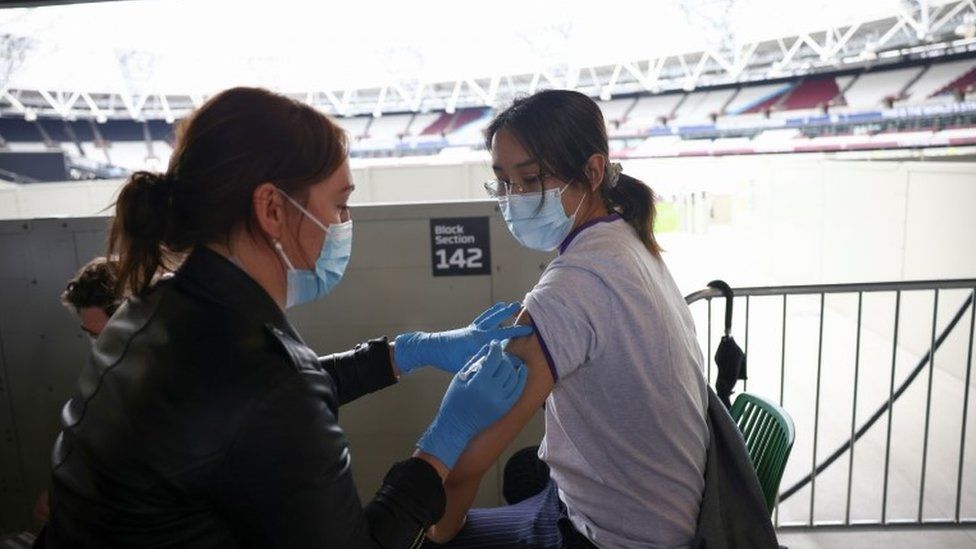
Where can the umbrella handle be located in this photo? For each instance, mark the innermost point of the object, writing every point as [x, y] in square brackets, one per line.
[726, 290]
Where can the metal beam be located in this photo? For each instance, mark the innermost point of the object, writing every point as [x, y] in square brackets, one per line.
[15, 102]
[717, 64]
[956, 10]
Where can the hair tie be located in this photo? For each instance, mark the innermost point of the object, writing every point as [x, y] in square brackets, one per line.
[613, 174]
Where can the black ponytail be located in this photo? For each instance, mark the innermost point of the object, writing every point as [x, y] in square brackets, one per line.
[562, 129]
[634, 201]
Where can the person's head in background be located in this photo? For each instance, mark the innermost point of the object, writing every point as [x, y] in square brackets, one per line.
[92, 294]
[245, 166]
[553, 145]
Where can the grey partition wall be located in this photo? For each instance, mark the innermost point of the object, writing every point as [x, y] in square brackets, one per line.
[402, 277]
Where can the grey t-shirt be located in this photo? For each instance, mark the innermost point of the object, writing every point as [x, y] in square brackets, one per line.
[625, 424]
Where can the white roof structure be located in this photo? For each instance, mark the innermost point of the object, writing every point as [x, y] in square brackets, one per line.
[160, 58]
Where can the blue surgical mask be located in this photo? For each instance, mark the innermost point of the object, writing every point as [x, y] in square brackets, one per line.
[539, 229]
[306, 285]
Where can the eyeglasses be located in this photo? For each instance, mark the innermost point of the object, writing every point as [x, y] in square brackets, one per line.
[497, 188]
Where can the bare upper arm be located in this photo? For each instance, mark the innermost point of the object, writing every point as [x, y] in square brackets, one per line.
[481, 453]
[485, 448]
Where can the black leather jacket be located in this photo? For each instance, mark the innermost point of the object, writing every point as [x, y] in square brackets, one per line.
[203, 420]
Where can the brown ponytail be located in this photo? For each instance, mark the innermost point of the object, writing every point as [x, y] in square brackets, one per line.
[140, 229]
[237, 140]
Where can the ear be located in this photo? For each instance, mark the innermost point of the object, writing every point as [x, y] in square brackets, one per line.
[269, 211]
[596, 165]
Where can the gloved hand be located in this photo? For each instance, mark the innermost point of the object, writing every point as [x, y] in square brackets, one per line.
[479, 395]
[449, 351]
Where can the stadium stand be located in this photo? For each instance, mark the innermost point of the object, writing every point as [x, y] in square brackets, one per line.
[922, 105]
[389, 127]
[935, 78]
[421, 122]
[356, 127]
[960, 86]
[702, 107]
[615, 111]
[811, 93]
[872, 89]
[650, 111]
[441, 125]
[470, 130]
[750, 99]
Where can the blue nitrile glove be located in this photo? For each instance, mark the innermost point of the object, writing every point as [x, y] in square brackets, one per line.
[451, 350]
[479, 395]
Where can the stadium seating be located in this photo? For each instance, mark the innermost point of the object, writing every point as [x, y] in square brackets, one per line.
[440, 126]
[815, 113]
[615, 111]
[702, 107]
[389, 127]
[131, 155]
[355, 126]
[871, 89]
[811, 93]
[421, 122]
[751, 98]
[961, 85]
[649, 111]
[469, 129]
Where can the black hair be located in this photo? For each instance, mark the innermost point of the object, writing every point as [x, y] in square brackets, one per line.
[562, 129]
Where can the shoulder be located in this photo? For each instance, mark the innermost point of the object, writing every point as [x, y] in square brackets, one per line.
[595, 257]
[206, 345]
[600, 246]
[572, 280]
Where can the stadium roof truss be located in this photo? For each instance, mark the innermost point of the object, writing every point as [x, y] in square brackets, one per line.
[920, 29]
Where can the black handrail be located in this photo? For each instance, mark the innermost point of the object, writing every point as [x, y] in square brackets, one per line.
[884, 407]
[717, 290]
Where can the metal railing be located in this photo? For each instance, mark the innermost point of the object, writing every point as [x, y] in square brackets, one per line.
[936, 340]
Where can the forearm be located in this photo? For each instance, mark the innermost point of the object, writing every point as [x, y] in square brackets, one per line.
[481, 454]
[460, 494]
[365, 369]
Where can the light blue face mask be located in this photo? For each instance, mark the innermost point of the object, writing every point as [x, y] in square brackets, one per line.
[305, 285]
[539, 229]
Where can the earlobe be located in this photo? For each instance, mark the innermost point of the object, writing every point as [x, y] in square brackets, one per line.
[595, 169]
[268, 210]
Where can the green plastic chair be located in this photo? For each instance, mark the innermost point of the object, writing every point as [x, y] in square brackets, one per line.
[769, 433]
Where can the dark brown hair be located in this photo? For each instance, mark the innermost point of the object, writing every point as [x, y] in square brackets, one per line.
[94, 285]
[562, 129]
[237, 140]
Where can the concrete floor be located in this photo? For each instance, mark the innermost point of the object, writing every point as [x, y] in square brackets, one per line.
[883, 538]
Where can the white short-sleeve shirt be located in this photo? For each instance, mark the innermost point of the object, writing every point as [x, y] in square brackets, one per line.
[625, 424]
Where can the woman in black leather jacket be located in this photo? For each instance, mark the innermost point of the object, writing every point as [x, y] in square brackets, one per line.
[202, 419]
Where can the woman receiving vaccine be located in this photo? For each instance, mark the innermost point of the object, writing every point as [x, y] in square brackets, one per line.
[614, 357]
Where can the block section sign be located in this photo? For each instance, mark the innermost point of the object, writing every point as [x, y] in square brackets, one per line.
[460, 246]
